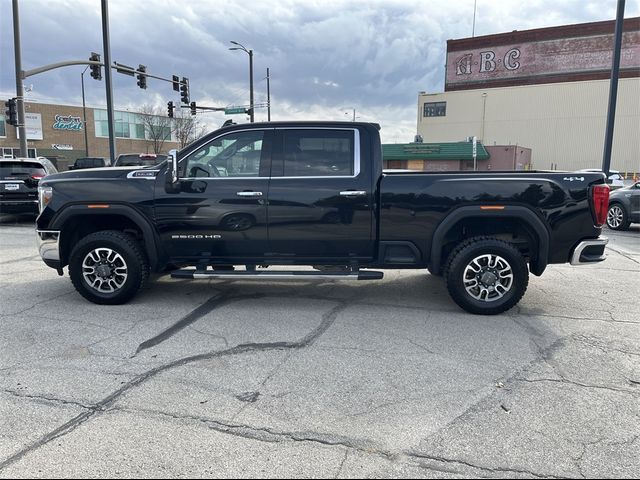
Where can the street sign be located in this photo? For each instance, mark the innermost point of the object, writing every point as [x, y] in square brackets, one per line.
[234, 110]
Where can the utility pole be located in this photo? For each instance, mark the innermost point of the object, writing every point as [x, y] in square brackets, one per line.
[268, 98]
[613, 89]
[22, 131]
[251, 84]
[107, 77]
[473, 29]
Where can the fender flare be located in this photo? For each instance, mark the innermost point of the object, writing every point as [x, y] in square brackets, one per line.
[151, 239]
[524, 214]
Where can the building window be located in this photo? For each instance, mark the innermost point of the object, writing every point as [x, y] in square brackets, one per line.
[435, 109]
[3, 128]
[127, 125]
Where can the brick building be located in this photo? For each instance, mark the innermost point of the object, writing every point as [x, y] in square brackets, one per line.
[57, 132]
[546, 89]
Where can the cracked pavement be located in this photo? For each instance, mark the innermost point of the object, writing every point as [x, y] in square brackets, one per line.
[319, 378]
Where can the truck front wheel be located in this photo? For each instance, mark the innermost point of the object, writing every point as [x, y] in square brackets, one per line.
[108, 267]
[486, 276]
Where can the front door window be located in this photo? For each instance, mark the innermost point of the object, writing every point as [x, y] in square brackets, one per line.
[234, 155]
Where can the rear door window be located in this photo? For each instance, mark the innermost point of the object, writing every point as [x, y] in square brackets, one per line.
[318, 153]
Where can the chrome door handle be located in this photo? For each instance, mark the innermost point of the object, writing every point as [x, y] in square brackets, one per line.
[249, 194]
[353, 193]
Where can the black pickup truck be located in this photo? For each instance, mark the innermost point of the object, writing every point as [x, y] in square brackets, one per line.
[249, 197]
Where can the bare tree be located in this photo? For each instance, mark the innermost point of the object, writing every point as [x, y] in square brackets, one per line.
[186, 128]
[157, 127]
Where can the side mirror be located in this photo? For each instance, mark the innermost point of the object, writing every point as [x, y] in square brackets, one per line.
[172, 182]
[174, 168]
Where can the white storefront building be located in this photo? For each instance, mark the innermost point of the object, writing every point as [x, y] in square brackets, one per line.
[544, 89]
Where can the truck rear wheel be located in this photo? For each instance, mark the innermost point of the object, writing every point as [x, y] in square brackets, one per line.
[486, 276]
[108, 267]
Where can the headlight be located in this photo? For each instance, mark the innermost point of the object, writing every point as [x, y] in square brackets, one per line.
[44, 196]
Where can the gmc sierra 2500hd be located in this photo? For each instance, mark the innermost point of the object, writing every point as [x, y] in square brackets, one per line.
[314, 194]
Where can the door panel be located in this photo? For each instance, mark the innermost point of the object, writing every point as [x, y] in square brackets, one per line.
[220, 212]
[320, 203]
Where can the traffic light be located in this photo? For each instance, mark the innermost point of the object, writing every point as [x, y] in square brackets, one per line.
[11, 113]
[142, 78]
[193, 108]
[248, 111]
[176, 83]
[170, 108]
[184, 91]
[96, 70]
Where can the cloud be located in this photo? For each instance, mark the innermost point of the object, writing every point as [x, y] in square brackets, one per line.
[325, 57]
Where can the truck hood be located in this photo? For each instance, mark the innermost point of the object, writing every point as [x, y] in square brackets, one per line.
[103, 173]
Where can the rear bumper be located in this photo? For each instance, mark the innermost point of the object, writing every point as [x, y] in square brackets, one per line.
[589, 251]
[49, 247]
[19, 206]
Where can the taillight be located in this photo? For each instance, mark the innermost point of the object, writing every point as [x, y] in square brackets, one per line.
[37, 177]
[600, 198]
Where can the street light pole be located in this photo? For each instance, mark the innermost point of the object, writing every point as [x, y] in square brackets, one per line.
[613, 88]
[84, 114]
[107, 78]
[22, 131]
[250, 53]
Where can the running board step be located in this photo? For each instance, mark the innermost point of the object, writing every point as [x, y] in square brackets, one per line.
[196, 274]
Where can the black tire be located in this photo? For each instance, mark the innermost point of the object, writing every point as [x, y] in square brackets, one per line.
[127, 265]
[498, 269]
[617, 217]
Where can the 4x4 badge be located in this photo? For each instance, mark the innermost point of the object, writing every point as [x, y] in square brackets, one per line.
[571, 179]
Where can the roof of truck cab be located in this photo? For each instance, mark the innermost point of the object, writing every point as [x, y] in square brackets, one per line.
[302, 124]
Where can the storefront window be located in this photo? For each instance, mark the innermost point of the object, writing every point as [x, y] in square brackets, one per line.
[127, 125]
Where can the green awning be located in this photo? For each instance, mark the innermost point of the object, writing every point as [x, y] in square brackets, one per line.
[433, 151]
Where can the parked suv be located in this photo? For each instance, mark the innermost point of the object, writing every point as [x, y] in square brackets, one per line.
[139, 159]
[88, 162]
[624, 207]
[19, 178]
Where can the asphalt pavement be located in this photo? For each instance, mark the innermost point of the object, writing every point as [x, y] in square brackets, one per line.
[319, 378]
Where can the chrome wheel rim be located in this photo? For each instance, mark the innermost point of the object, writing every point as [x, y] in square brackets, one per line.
[104, 270]
[488, 278]
[615, 216]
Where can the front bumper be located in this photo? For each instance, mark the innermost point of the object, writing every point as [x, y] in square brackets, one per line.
[589, 251]
[49, 247]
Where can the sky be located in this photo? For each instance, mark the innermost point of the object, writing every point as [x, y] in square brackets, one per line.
[326, 58]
